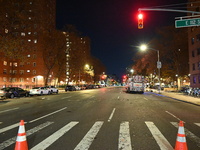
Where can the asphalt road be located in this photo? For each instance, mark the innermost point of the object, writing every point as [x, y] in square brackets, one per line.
[99, 119]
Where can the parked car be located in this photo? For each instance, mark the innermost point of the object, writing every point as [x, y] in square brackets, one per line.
[70, 88]
[40, 91]
[11, 92]
[53, 89]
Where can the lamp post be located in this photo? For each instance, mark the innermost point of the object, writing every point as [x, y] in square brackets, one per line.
[143, 48]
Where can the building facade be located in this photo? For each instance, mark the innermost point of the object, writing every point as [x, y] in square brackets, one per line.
[23, 23]
[194, 49]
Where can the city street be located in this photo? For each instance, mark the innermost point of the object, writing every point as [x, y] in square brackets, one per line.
[99, 119]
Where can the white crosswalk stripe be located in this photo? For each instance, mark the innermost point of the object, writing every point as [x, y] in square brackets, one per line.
[124, 137]
[89, 137]
[51, 139]
[28, 133]
[160, 139]
[125, 141]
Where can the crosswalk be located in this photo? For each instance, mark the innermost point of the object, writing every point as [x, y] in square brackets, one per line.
[125, 139]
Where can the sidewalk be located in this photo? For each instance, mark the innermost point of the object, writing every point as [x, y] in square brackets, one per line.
[181, 97]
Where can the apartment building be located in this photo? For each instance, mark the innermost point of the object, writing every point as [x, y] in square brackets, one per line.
[194, 48]
[23, 22]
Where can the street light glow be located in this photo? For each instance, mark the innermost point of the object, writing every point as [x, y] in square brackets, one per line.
[143, 47]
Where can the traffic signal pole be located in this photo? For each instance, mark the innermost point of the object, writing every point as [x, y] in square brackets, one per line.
[163, 9]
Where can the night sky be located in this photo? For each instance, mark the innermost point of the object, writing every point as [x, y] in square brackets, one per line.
[112, 26]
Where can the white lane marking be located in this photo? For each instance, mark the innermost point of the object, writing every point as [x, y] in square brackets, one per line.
[111, 115]
[1, 122]
[89, 137]
[11, 141]
[9, 110]
[66, 97]
[124, 137]
[160, 139]
[118, 97]
[51, 139]
[173, 116]
[10, 127]
[43, 97]
[47, 115]
[198, 124]
[189, 134]
[145, 98]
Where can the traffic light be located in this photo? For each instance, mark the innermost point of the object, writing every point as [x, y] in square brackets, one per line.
[140, 21]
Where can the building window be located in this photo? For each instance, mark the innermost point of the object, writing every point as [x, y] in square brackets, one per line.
[193, 54]
[35, 41]
[5, 63]
[21, 72]
[34, 56]
[193, 66]
[21, 64]
[21, 79]
[29, 40]
[198, 37]
[14, 80]
[29, 33]
[14, 71]
[198, 51]
[192, 40]
[23, 34]
[15, 64]
[34, 64]
[6, 30]
[28, 55]
[194, 79]
[28, 71]
[10, 64]
[198, 65]
[4, 71]
[4, 79]
[28, 63]
[34, 72]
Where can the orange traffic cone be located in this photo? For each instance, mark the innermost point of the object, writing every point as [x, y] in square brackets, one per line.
[181, 140]
[21, 143]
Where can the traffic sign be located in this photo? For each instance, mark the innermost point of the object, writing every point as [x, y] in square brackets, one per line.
[187, 22]
[159, 65]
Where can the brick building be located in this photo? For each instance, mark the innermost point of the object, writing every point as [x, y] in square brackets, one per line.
[24, 22]
[194, 49]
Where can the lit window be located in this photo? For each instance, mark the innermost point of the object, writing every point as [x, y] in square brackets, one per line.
[35, 41]
[23, 34]
[29, 40]
[10, 64]
[30, 10]
[29, 18]
[6, 30]
[28, 71]
[29, 33]
[31, 2]
[15, 64]
[5, 63]
[28, 55]
[4, 79]
[14, 71]
[21, 79]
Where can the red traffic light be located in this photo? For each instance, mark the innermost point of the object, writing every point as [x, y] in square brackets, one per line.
[140, 21]
[124, 76]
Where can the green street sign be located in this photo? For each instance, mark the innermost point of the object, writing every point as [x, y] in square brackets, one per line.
[187, 22]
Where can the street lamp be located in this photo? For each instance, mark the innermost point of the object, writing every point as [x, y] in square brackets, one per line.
[143, 48]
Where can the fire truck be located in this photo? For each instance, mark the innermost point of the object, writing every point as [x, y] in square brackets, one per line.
[135, 84]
